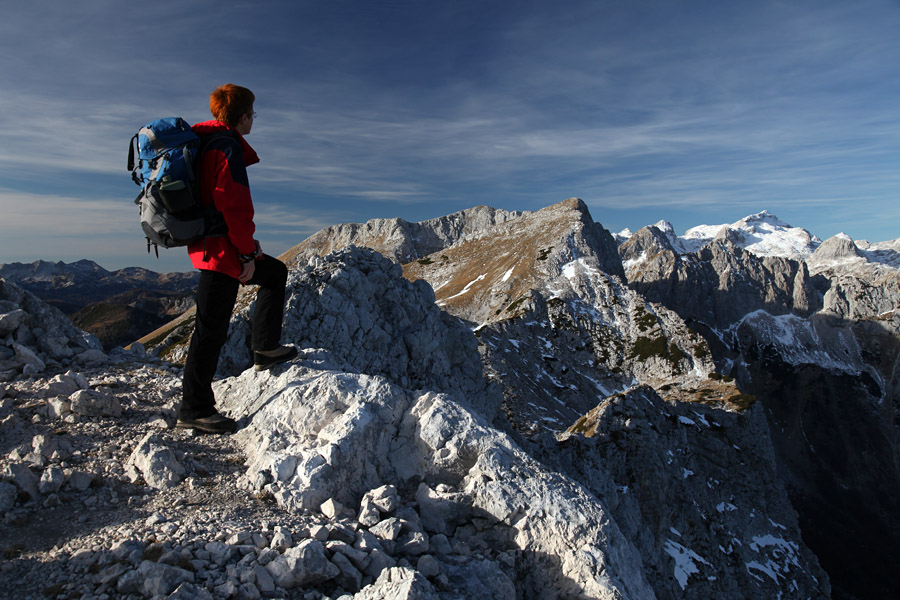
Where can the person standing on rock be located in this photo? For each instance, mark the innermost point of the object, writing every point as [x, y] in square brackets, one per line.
[229, 261]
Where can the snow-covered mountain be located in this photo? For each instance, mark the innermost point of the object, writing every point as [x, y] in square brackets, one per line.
[764, 234]
[522, 405]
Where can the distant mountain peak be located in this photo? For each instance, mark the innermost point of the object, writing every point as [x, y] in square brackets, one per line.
[762, 233]
[837, 248]
[763, 216]
[665, 227]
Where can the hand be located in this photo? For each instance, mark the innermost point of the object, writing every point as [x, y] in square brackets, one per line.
[247, 270]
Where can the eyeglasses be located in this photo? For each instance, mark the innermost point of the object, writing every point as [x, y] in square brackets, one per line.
[253, 114]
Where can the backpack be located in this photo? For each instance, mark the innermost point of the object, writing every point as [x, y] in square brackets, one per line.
[162, 157]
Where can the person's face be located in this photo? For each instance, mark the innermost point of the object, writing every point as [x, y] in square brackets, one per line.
[246, 123]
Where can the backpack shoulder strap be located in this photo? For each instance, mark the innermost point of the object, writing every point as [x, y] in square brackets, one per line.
[134, 167]
[206, 140]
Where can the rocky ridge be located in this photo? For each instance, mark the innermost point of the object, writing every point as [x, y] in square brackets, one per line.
[756, 301]
[562, 333]
[392, 472]
[559, 328]
[811, 330]
[35, 336]
[400, 240]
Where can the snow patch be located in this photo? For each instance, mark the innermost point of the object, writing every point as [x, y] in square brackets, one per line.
[465, 290]
[685, 564]
[779, 556]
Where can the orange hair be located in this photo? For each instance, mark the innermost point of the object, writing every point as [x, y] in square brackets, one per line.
[228, 103]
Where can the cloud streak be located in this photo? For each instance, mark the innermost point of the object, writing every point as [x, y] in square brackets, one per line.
[417, 109]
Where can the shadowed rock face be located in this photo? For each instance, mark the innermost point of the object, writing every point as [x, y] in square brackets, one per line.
[718, 468]
[35, 335]
[819, 353]
[721, 283]
[837, 452]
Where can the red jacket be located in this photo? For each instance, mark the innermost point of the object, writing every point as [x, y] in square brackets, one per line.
[223, 181]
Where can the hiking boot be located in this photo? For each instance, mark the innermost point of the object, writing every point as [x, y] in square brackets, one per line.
[214, 423]
[270, 358]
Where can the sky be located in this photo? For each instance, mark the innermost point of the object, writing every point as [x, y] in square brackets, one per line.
[696, 112]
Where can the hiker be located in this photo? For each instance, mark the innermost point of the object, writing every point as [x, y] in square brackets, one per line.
[229, 261]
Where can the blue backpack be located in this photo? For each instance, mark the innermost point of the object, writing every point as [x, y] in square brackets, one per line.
[161, 158]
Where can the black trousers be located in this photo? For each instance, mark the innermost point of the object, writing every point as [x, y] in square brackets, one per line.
[216, 294]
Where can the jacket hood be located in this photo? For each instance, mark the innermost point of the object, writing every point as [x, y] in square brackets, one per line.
[208, 127]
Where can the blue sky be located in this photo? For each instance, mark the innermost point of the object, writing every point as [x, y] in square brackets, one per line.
[697, 112]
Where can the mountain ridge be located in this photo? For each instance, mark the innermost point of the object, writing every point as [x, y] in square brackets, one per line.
[764, 234]
[117, 306]
[544, 388]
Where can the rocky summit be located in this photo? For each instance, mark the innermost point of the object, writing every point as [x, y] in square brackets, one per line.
[486, 405]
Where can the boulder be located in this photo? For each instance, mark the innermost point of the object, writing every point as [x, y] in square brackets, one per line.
[91, 403]
[304, 564]
[11, 320]
[155, 462]
[8, 496]
[399, 583]
[160, 579]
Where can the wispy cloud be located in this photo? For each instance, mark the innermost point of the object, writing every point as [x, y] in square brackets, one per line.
[51, 216]
[50, 227]
[647, 105]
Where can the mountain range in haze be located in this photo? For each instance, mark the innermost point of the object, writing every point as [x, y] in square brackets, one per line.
[116, 306]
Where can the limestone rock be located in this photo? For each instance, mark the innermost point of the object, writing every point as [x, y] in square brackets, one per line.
[808, 328]
[51, 480]
[836, 248]
[189, 591]
[80, 480]
[480, 578]
[155, 462]
[729, 494]
[721, 283]
[443, 511]
[23, 478]
[8, 495]
[359, 309]
[401, 240]
[27, 356]
[91, 403]
[399, 583]
[35, 335]
[65, 384]
[302, 565]
[11, 320]
[160, 579]
[384, 498]
[382, 432]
